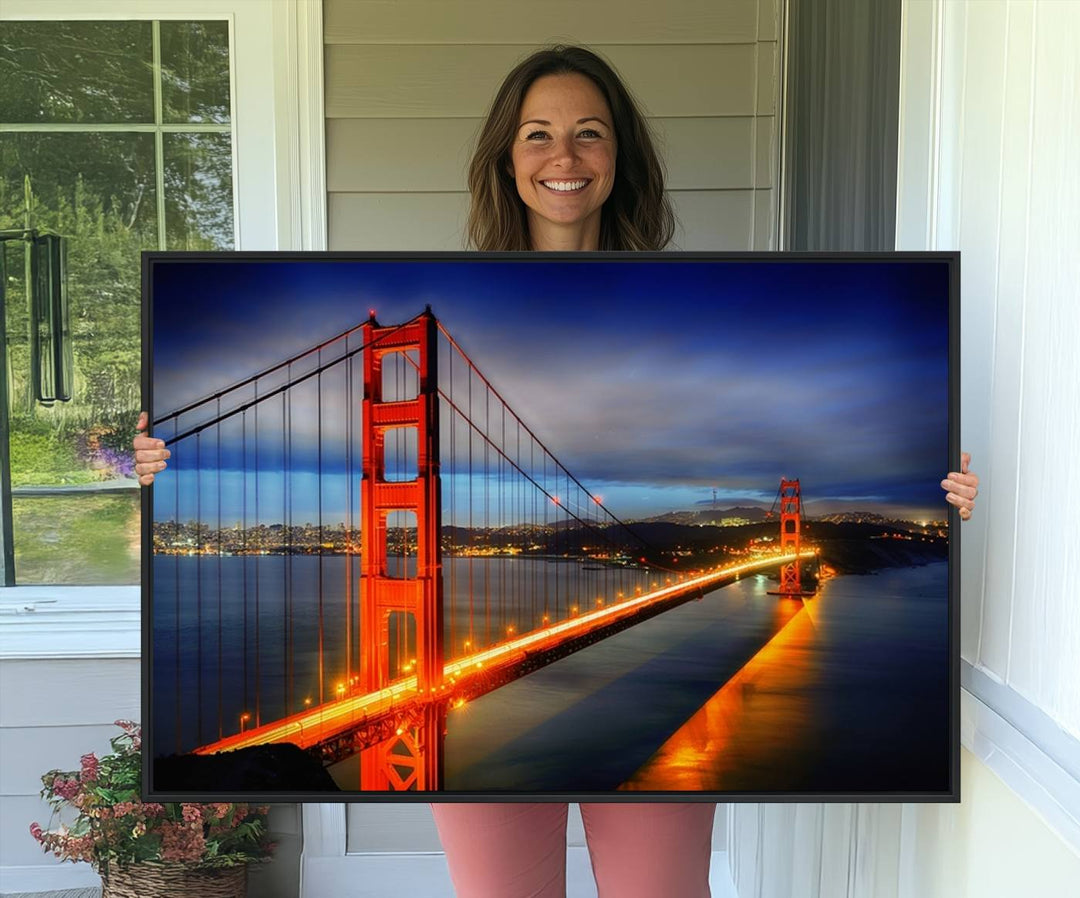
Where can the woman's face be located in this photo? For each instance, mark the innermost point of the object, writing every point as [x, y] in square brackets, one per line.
[563, 160]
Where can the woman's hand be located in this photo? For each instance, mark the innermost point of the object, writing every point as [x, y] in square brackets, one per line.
[150, 453]
[961, 487]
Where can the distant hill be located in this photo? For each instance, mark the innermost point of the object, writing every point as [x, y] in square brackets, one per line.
[719, 517]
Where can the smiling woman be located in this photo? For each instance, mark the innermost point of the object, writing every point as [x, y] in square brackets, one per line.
[563, 161]
[560, 118]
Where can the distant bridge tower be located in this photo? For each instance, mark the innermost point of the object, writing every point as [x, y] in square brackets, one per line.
[412, 755]
[790, 537]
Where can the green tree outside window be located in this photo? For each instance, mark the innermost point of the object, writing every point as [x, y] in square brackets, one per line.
[117, 136]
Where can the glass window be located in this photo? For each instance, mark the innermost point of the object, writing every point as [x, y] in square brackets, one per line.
[195, 71]
[68, 72]
[198, 191]
[117, 136]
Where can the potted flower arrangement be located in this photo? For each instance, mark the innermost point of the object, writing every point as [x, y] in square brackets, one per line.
[144, 848]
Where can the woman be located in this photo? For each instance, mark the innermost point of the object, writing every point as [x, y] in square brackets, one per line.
[565, 162]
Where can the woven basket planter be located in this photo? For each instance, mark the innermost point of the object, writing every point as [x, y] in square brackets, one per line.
[174, 881]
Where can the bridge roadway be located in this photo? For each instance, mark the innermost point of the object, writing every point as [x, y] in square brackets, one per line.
[483, 671]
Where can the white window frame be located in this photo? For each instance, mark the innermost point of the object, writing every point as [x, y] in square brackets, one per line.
[279, 189]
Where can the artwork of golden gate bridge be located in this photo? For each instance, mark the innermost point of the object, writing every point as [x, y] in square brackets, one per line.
[357, 546]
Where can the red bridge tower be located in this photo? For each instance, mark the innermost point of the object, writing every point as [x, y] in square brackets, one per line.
[412, 756]
[790, 538]
[790, 524]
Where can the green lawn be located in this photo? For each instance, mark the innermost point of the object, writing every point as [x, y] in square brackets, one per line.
[77, 539]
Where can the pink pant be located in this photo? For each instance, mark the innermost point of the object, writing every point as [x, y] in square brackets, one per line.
[519, 850]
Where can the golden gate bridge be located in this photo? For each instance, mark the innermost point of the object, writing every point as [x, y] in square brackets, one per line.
[451, 478]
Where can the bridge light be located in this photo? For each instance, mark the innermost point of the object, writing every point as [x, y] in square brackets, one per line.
[307, 702]
[244, 718]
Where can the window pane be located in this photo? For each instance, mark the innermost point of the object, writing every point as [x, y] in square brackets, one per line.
[76, 72]
[81, 540]
[198, 191]
[98, 191]
[195, 71]
[108, 176]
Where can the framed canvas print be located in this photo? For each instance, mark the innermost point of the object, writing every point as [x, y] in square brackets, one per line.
[571, 526]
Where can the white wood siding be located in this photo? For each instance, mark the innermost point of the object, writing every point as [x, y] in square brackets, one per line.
[52, 712]
[1005, 191]
[408, 83]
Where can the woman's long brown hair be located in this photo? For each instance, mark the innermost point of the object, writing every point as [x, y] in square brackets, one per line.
[637, 214]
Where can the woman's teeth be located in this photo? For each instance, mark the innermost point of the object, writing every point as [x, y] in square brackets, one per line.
[564, 186]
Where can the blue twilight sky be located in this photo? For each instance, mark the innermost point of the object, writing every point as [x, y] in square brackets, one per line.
[654, 382]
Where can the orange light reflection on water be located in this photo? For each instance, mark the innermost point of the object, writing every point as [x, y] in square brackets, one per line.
[747, 735]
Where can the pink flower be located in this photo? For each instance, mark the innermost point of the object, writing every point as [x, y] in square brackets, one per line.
[79, 848]
[181, 842]
[65, 788]
[89, 767]
[192, 813]
[133, 730]
[36, 832]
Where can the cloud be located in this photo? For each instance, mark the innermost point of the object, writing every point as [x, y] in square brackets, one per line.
[626, 378]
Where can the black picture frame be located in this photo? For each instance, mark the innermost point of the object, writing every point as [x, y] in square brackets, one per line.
[917, 311]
